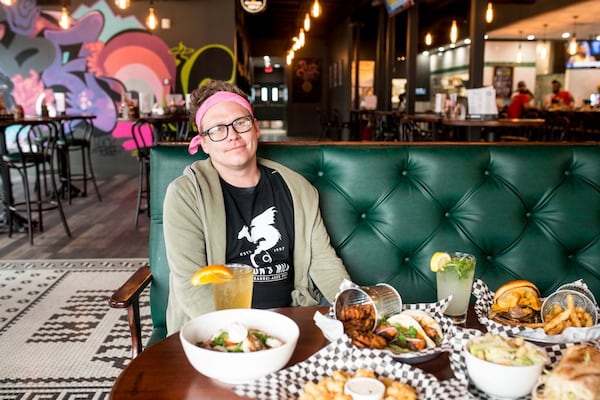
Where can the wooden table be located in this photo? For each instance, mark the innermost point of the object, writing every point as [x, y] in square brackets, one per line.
[522, 127]
[162, 371]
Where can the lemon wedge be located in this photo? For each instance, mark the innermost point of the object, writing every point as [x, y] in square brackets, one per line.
[439, 260]
[211, 274]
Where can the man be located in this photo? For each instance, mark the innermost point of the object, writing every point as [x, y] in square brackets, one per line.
[560, 98]
[236, 208]
[520, 102]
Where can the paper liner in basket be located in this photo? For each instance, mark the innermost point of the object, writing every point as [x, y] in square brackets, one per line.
[333, 330]
[459, 367]
[483, 304]
[339, 355]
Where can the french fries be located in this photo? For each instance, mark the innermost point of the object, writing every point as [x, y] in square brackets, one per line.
[559, 319]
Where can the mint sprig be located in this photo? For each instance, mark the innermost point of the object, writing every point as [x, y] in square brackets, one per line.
[461, 265]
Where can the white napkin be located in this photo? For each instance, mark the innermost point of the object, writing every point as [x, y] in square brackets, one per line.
[332, 328]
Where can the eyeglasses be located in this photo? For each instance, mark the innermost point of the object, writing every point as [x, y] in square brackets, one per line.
[220, 132]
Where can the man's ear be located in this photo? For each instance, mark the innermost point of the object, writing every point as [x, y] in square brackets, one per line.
[203, 140]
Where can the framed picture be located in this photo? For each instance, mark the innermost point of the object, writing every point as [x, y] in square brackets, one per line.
[307, 80]
[503, 81]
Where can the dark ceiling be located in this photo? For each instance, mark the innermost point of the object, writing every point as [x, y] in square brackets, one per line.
[283, 18]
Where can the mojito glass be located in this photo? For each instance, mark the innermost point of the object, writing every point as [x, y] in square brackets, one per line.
[456, 279]
[237, 291]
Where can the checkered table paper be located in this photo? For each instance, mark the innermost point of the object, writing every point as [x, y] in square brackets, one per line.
[484, 300]
[338, 355]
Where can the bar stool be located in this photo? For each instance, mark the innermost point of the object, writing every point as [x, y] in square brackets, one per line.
[76, 135]
[143, 133]
[35, 150]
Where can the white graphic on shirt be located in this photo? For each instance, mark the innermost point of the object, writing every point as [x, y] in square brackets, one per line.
[263, 234]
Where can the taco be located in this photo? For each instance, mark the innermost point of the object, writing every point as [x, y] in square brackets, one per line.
[432, 329]
[404, 334]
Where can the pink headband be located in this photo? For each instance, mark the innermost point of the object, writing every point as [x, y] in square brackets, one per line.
[218, 97]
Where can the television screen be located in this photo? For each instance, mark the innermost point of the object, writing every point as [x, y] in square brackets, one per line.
[586, 56]
[395, 6]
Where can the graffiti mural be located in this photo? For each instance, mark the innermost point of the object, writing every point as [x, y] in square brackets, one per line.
[95, 62]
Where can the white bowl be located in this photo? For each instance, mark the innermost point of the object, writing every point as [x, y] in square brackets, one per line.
[239, 367]
[502, 381]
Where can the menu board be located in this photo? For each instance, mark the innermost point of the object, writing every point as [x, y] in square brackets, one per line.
[503, 81]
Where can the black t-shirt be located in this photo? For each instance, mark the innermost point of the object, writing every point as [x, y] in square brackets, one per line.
[260, 232]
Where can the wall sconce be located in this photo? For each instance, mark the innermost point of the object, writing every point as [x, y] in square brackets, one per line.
[7, 2]
[454, 32]
[306, 22]
[489, 13]
[151, 19]
[122, 4]
[573, 41]
[428, 39]
[65, 20]
[316, 9]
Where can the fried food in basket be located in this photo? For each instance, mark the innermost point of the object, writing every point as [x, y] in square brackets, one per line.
[557, 320]
[517, 303]
[332, 387]
[358, 321]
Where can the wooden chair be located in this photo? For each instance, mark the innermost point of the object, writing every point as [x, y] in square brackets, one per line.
[556, 129]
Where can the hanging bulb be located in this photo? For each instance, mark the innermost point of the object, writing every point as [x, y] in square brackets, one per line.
[573, 46]
[122, 4]
[489, 13]
[65, 19]
[7, 2]
[151, 19]
[543, 52]
[543, 46]
[453, 32]
[316, 9]
[519, 54]
[306, 22]
[428, 39]
[573, 41]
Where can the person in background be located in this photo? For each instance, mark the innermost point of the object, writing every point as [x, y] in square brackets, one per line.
[582, 54]
[236, 208]
[561, 99]
[520, 102]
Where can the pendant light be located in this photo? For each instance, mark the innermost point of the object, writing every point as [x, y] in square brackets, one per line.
[316, 9]
[7, 2]
[151, 19]
[428, 39]
[573, 41]
[65, 20]
[520, 50]
[543, 49]
[122, 4]
[306, 22]
[453, 32]
[489, 13]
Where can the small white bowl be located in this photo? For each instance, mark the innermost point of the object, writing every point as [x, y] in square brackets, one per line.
[239, 368]
[502, 381]
[364, 388]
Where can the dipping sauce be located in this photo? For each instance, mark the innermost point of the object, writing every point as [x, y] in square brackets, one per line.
[364, 388]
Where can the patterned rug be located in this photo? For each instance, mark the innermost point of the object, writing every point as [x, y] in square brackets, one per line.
[59, 339]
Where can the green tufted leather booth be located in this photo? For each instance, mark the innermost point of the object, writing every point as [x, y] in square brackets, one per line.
[528, 211]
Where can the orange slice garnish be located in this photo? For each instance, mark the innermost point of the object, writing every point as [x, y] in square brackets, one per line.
[211, 274]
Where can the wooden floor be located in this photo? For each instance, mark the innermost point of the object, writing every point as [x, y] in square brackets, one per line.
[99, 229]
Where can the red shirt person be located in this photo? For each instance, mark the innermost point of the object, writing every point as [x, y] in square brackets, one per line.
[518, 104]
[561, 97]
